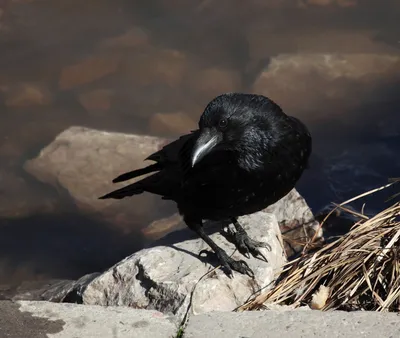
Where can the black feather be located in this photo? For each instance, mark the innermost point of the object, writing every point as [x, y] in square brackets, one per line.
[138, 172]
[129, 190]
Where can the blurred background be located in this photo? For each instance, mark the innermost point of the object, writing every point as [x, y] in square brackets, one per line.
[149, 68]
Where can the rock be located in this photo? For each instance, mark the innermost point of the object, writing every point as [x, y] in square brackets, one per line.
[33, 290]
[87, 71]
[295, 323]
[296, 222]
[296, 235]
[272, 4]
[44, 319]
[210, 82]
[157, 66]
[304, 83]
[267, 43]
[19, 199]
[161, 227]
[96, 100]
[83, 162]
[132, 38]
[171, 123]
[27, 95]
[144, 101]
[291, 207]
[51, 290]
[340, 3]
[304, 3]
[295, 218]
[33, 135]
[164, 276]
[149, 81]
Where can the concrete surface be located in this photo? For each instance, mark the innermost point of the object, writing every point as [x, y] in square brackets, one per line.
[26, 319]
[32, 319]
[293, 324]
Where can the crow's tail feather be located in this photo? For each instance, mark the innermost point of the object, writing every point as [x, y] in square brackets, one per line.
[129, 190]
[137, 172]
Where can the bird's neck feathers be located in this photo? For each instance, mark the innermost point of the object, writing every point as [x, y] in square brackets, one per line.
[252, 149]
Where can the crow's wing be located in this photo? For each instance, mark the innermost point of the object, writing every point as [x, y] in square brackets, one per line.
[171, 163]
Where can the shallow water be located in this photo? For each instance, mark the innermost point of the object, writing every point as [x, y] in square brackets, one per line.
[340, 73]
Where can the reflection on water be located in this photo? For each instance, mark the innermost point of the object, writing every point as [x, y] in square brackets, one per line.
[62, 246]
[150, 67]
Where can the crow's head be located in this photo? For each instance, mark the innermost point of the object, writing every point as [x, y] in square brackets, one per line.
[242, 123]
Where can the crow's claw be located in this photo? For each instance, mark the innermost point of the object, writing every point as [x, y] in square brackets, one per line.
[245, 245]
[228, 263]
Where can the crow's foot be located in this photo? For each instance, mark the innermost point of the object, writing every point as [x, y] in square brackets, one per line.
[247, 245]
[229, 263]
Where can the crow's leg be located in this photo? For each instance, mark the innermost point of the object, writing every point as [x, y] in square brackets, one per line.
[227, 262]
[245, 244]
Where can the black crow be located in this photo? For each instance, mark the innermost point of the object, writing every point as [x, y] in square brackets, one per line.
[246, 155]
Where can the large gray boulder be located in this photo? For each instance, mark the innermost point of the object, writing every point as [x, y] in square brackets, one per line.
[291, 208]
[296, 222]
[82, 162]
[171, 278]
[295, 218]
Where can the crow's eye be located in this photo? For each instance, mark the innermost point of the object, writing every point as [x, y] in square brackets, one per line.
[223, 123]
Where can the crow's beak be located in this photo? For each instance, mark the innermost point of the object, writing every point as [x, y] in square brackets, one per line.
[207, 140]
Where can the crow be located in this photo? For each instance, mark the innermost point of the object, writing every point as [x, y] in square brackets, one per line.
[245, 155]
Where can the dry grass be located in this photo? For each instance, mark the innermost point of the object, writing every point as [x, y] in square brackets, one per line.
[360, 270]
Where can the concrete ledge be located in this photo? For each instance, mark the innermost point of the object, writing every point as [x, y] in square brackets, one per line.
[26, 319]
[293, 324]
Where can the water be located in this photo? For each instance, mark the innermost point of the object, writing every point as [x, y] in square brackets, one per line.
[337, 67]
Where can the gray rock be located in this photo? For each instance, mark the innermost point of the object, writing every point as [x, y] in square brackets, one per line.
[82, 162]
[328, 81]
[295, 218]
[296, 222]
[19, 199]
[72, 293]
[168, 277]
[55, 290]
[290, 208]
[45, 319]
[295, 323]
